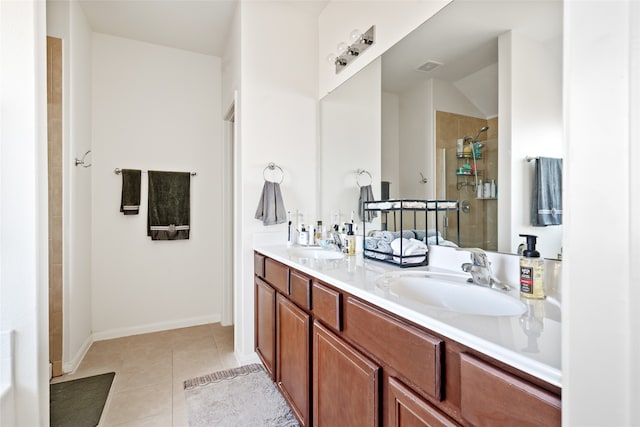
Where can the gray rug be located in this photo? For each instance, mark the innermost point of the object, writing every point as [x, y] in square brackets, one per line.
[243, 396]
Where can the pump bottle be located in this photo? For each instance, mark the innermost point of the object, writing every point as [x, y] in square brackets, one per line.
[531, 270]
[350, 241]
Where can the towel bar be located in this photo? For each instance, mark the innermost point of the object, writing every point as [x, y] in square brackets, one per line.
[118, 171]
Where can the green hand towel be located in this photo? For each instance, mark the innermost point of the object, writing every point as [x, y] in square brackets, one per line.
[130, 198]
[169, 205]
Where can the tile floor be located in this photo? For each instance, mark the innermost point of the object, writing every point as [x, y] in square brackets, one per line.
[150, 369]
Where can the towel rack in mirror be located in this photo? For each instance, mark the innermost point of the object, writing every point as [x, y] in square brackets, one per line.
[118, 171]
[271, 167]
[360, 173]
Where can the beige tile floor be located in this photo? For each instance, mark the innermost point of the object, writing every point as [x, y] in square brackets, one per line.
[150, 370]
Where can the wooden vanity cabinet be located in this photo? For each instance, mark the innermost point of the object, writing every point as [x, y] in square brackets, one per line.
[341, 361]
[293, 335]
[265, 325]
[406, 408]
[490, 396]
[345, 383]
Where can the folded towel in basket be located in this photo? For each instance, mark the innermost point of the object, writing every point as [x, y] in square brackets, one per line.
[271, 208]
[130, 197]
[168, 213]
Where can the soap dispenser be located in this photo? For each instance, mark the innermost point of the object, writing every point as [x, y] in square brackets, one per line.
[531, 270]
[350, 241]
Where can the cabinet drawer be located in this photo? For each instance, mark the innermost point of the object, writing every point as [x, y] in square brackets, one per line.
[490, 396]
[300, 289]
[258, 264]
[327, 306]
[277, 275]
[416, 355]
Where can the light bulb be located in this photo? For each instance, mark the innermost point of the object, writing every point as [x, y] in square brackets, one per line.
[355, 36]
[341, 48]
[331, 58]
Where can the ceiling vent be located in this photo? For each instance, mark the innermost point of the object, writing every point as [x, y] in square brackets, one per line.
[429, 66]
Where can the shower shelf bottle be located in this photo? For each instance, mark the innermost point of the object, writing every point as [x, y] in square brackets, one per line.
[531, 270]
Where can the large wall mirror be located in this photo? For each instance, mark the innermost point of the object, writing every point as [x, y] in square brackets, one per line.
[487, 74]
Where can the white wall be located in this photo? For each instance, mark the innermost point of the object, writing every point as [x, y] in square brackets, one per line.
[230, 63]
[393, 21]
[390, 167]
[278, 123]
[350, 140]
[600, 342]
[531, 97]
[154, 108]
[66, 20]
[417, 141]
[23, 213]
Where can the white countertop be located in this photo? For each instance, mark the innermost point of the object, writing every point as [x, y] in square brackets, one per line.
[535, 351]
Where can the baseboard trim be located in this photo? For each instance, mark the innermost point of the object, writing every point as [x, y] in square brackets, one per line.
[155, 327]
[71, 366]
[245, 359]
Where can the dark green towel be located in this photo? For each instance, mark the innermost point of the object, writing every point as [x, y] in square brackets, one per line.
[130, 198]
[169, 210]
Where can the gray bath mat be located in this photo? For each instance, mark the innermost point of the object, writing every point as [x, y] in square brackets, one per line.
[243, 396]
[79, 403]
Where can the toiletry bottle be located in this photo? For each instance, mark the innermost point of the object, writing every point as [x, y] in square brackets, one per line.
[459, 147]
[303, 236]
[493, 188]
[486, 192]
[350, 241]
[319, 232]
[312, 235]
[479, 189]
[531, 270]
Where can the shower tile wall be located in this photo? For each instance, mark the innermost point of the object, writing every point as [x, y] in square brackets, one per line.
[54, 130]
[478, 228]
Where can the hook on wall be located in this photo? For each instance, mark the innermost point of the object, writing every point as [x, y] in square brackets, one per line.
[83, 161]
[423, 180]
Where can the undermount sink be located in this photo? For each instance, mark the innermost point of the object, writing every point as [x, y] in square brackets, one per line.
[315, 253]
[451, 292]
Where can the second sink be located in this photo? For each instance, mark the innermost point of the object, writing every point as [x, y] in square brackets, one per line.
[451, 292]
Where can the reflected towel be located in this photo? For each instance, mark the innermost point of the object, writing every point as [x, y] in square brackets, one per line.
[390, 236]
[546, 206]
[169, 202]
[366, 195]
[271, 208]
[130, 197]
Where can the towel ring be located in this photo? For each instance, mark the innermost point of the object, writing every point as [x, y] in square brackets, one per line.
[363, 172]
[272, 166]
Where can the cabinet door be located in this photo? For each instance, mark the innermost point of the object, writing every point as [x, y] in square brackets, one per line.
[345, 383]
[293, 356]
[408, 409]
[265, 325]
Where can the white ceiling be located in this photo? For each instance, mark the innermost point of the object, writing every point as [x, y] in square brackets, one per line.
[464, 38]
[194, 25]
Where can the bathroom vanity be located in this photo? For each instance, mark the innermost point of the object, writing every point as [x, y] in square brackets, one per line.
[344, 350]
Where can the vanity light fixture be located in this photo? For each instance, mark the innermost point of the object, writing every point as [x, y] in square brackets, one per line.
[347, 53]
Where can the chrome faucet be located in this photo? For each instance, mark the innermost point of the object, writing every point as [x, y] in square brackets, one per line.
[480, 269]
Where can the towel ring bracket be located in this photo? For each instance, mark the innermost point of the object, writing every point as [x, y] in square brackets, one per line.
[363, 172]
[272, 167]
